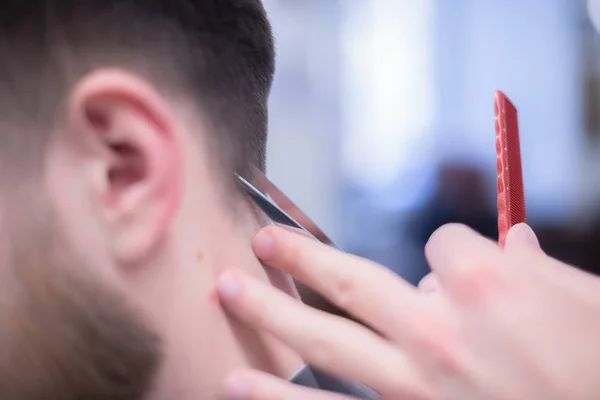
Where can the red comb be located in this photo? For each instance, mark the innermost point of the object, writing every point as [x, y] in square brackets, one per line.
[511, 196]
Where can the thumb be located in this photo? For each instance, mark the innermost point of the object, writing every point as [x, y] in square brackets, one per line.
[521, 236]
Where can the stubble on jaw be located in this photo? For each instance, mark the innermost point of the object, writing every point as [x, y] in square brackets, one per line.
[65, 334]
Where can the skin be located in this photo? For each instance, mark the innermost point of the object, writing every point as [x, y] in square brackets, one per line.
[491, 323]
[108, 278]
[108, 285]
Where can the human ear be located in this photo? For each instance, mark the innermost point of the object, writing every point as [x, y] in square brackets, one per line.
[129, 130]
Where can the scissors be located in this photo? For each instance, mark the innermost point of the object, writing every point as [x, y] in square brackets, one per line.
[278, 207]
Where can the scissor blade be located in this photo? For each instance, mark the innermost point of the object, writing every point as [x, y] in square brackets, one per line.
[288, 206]
[269, 207]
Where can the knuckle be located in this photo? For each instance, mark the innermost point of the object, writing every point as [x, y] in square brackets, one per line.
[480, 281]
[343, 291]
[446, 231]
[476, 274]
[322, 352]
[445, 361]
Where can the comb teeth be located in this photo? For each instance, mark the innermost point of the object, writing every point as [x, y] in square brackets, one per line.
[511, 195]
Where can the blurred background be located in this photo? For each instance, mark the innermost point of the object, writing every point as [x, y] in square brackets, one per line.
[382, 123]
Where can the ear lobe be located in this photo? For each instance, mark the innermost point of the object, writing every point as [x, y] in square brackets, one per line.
[131, 130]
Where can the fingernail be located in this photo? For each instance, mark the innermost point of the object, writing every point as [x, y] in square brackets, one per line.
[522, 233]
[264, 245]
[236, 389]
[228, 287]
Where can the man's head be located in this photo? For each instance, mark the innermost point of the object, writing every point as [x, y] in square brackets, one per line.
[121, 124]
[214, 54]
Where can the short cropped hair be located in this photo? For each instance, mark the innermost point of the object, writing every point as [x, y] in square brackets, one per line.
[219, 53]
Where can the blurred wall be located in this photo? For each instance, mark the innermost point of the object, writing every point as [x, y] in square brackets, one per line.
[374, 99]
[532, 51]
[303, 153]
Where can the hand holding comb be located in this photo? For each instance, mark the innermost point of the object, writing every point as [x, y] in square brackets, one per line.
[511, 195]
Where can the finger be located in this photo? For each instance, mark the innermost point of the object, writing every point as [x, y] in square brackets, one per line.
[366, 290]
[295, 230]
[524, 250]
[333, 344]
[521, 238]
[467, 264]
[429, 284]
[254, 385]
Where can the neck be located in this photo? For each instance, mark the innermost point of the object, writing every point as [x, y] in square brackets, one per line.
[202, 342]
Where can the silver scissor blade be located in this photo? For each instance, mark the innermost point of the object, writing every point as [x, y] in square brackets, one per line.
[276, 214]
[288, 206]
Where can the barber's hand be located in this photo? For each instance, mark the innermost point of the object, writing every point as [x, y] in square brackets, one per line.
[506, 323]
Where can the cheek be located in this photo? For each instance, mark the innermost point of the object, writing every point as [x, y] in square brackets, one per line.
[43, 344]
[4, 247]
[7, 243]
[76, 209]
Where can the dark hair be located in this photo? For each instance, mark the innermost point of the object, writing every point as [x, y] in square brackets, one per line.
[219, 53]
